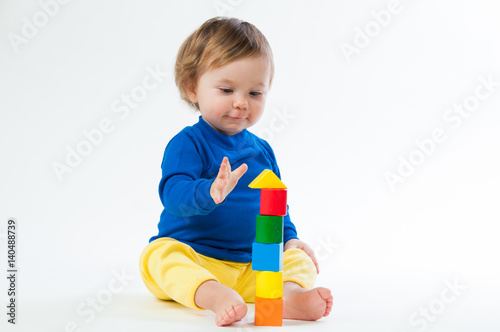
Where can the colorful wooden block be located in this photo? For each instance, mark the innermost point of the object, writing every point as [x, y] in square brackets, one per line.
[269, 229]
[267, 256]
[268, 312]
[273, 202]
[267, 179]
[269, 285]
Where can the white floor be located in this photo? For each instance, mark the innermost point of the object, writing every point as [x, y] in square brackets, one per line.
[362, 303]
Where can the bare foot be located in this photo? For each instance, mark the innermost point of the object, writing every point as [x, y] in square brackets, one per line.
[234, 314]
[306, 304]
[225, 302]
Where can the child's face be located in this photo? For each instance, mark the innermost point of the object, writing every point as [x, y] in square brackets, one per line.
[232, 98]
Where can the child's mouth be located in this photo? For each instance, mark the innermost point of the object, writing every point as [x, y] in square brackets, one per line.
[235, 118]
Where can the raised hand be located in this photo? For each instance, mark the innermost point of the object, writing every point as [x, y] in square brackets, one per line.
[226, 180]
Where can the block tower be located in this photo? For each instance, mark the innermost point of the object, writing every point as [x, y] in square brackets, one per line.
[267, 250]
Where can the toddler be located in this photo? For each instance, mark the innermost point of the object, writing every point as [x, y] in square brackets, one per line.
[202, 254]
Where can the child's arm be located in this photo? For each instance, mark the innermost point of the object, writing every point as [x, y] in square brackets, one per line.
[183, 191]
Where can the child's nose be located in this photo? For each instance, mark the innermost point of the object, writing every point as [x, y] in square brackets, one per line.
[240, 103]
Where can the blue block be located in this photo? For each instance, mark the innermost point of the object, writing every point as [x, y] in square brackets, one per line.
[267, 256]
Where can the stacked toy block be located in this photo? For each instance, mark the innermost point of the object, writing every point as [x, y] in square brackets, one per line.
[267, 250]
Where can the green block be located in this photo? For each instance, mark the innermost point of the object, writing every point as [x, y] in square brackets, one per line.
[269, 229]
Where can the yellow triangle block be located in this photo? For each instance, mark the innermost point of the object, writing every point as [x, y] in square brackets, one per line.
[267, 180]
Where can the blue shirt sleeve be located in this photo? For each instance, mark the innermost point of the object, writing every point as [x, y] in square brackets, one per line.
[182, 190]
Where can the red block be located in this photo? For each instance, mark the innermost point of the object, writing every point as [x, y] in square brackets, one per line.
[273, 202]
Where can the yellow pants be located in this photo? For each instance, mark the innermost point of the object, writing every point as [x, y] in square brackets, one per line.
[172, 270]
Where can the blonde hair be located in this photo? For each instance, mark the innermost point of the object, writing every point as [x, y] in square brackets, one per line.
[216, 43]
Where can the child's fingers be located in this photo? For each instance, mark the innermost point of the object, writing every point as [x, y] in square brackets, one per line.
[315, 263]
[216, 190]
[228, 168]
[220, 184]
[222, 171]
[221, 181]
[219, 191]
[311, 254]
[225, 169]
[238, 173]
[226, 180]
[304, 247]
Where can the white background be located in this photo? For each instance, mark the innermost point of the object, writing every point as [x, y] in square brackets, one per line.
[337, 122]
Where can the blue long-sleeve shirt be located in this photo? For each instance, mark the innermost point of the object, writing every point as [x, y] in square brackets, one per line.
[190, 164]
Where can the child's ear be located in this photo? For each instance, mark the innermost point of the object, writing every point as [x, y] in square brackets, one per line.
[191, 91]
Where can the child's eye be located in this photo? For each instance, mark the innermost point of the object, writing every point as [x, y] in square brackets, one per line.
[255, 93]
[226, 90]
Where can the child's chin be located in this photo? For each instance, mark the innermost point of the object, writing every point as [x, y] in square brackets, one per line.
[233, 130]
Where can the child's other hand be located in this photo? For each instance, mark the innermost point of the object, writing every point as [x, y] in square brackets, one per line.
[295, 243]
[226, 181]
